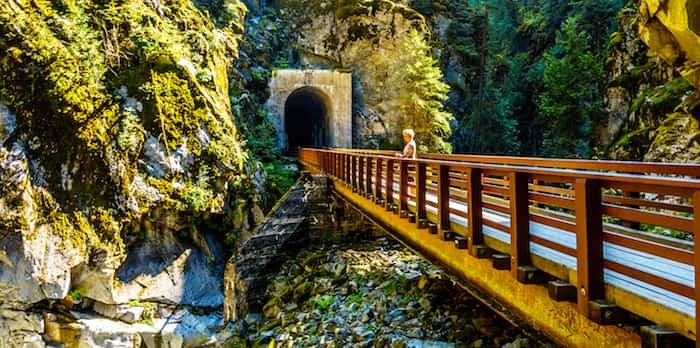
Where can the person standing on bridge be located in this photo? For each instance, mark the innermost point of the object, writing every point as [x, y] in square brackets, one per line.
[409, 151]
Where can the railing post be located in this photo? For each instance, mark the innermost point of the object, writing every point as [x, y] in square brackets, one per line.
[696, 257]
[421, 212]
[589, 243]
[378, 180]
[389, 183]
[346, 168]
[519, 223]
[403, 186]
[353, 172]
[475, 234]
[368, 175]
[332, 163]
[443, 197]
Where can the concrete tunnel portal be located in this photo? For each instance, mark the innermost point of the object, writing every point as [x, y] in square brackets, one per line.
[311, 108]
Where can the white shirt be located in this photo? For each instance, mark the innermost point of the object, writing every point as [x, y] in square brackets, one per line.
[409, 151]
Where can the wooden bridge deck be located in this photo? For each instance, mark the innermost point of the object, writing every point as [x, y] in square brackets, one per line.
[583, 222]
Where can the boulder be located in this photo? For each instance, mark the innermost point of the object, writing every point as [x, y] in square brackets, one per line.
[160, 268]
[184, 329]
[21, 329]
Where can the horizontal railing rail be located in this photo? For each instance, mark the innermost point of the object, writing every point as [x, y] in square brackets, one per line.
[597, 223]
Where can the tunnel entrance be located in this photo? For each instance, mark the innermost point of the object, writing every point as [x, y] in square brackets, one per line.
[305, 118]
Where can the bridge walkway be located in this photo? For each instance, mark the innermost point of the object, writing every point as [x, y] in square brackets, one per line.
[588, 229]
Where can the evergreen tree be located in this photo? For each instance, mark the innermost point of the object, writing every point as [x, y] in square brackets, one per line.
[570, 99]
[422, 102]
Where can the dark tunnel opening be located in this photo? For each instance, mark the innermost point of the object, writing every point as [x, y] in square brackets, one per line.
[306, 120]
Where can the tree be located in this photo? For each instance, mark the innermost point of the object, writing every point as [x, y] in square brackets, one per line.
[570, 99]
[422, 101]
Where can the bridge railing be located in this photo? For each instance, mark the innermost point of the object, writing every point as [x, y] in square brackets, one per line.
[596, 224]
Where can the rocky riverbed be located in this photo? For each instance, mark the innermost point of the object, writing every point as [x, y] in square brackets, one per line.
[370, 292]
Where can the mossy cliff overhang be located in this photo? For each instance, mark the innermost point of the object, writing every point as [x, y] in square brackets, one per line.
[333, 88]
[671, 28]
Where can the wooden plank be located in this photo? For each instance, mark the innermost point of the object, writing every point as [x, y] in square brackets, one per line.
[497, 190]
[420, 192]
[589, 242]
[649, 247]
[495, 225]
[496, 207]
[553, 245]
[403, 185]
[475, 233]
[559, 191]
[552, 222]
[548, 199]
[647, 203]
[649, 188]
[519, 223]
[649, 278]
[692, 170]
[647, 217]
[443, 197]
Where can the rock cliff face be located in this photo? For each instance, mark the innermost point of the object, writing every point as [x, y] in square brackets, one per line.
[671, 28]
[122, 172]
[652, 111]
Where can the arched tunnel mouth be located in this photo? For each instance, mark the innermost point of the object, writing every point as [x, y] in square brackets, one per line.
[306, 119]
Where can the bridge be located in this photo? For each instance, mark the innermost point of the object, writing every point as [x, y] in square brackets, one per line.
[571, 246]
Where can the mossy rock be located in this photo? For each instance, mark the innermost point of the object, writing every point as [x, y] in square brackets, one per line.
[302, 292]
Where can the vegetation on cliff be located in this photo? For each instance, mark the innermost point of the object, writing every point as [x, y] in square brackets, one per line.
[122, 129]
[104, 91]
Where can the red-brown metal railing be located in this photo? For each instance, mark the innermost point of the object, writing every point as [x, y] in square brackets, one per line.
[593, 203]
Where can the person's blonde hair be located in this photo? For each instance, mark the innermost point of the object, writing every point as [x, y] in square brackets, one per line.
[409, 132]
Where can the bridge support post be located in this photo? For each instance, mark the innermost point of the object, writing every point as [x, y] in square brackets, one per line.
[378, 179]
[443, 197]
[353, 172]
[589, 243]
[696, 258]
[519, 223]
[475, 234]
[389, 183]
[403, 187]
[368, 176]
[421, 212]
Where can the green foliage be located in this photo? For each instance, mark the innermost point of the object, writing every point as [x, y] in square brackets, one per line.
[423, 101]
[324, 302]
[357, 297]
[78, 294]
[279, 178]
[570, 100]
[501, 46]
[195, 198]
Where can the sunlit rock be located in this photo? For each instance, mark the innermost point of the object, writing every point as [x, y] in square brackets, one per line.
[672, 29]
